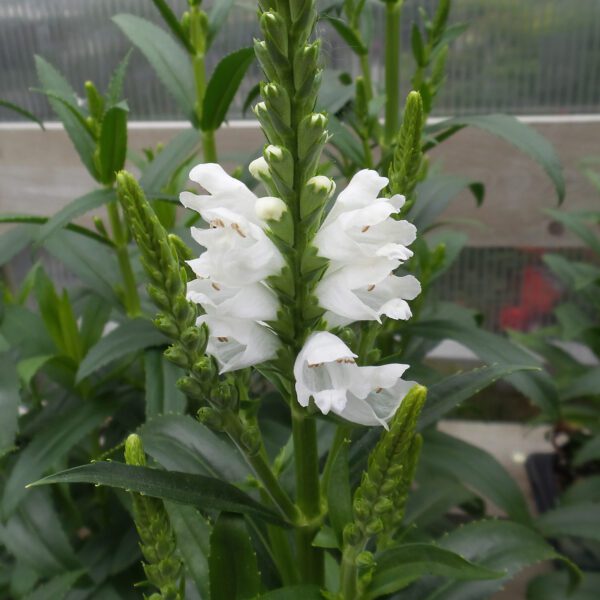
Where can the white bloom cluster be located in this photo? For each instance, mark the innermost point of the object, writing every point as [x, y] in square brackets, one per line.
[238, 257]
[364, 245]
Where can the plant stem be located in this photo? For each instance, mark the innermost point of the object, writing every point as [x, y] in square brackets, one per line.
[308, 494]
[392, 69]
[365, 68]
[209, 147]
[131, 297]
[341, 433]
[348, 574]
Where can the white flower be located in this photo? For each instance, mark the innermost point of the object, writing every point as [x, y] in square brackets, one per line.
[347, 298]
[238, 343]
[238, 252]
[225, 192]
[255, 301]
[325, 370]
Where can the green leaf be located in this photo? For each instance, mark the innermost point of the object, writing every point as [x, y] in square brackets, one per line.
[339, 494]
[14, 241]
[555, 586]
[434, 195]
[576, 222]
[62, 432]
[115, 85]
[294, 592]
[448, 456]
[57, 588]
[33, 534]
[24, 113]
[174, 25]
[418, 49]
[28, 368]
[217, 16]
[349, 35]
[180, 443]
[130, 337]
[252, 95]
[222, 87]
[574, 520]
[497, 545]
[577, 275]
[400, 566]
[158, 173]
[586, 489]
[206, 493]
[442, 397]
[78, 207]
[345, 141]
[494, 349]
[9, 403]
[169, 61]
[192, 533]
[54, 83]
[162, 395]
[236, 579]
[589, 451]
[112, 143]
[522, 136]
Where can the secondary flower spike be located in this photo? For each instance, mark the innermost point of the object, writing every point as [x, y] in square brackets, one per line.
[326, 370]
[364, 245]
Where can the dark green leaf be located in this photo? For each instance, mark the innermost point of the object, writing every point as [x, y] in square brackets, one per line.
[576, 223]
[497, 545]
[52, 81]
[130, 337]
[294, 592]
[494, 349]
[115, 85]
[589, 451]
[9, 403]
[555, 586]
[170, 62]
[193, 534]
[202, 492]
[34, 535]
[217, 16]
[418, 49]
[14, 241]
[577, 520]
[61, 433]
[577, 275]
[180, 443]
[159, 171]
[442, 397]
[522, 136]
[112, 143]
[339, 494]
[174, 25]
[586, 489]
[57, 588]
[253, 94]
[78, 207]
[236, 579]
[400, 566]
[351, 37]
[448, 456]
[222, 87]
[162, 395]
[21, 111]
[345, 141]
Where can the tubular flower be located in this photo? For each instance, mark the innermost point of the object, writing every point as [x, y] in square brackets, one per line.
[365, 245]
[325, 370]
[232, 270]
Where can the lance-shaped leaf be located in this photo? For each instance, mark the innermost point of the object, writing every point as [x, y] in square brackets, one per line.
[349, 35]
[162, 394]
[222, 87]
[21, 111]
[206, 493]
[113, 143]
[216, 17]
[399, 566]
[237, 579]
[576, 520]
[9, 402]
[169, 61]
[515, 132]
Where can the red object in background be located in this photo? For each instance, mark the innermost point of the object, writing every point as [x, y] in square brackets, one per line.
[539, 294]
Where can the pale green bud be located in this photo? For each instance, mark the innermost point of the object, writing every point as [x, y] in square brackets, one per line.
[275, 31]
[270, 208]
[259, 169]
[134, 451]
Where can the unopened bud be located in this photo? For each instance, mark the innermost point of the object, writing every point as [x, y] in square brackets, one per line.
[134, 451]
[374, 527]
[204, 369]
[177, 355]
[275, 31]
[270, 208]
[259, 169]
[322, 185]
[250, 440]
[211, 418]
[365, 559]
[352, 535]
[223, 396]
[274, 153]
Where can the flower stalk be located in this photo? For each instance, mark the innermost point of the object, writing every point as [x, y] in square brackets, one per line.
[393, 10]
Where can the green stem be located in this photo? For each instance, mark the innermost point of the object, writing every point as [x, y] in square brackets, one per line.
[308, 494]
[341, 434]
[365, 68]
[348, 574]
[392, 70]
[131, 298]
[209, 147]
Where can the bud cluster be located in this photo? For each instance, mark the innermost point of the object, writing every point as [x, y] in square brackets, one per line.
[162, 566]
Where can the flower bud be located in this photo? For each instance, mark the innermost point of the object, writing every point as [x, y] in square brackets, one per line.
[177, 355]
[259, 169]
[211, 418]
[192, 388]
[278, 102]
[224, 396]
[365, 559]
[264, 58]
[165, 324]
[270, 208]
[315, 194]
[204, 369]
[250, 440]
[281, 165]
[383, 506]
[275, 31]
[264, 118]
[305, 63]
[95, 101]
[352, 535]
[312, 135]
[134, 451]
[374, 527]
